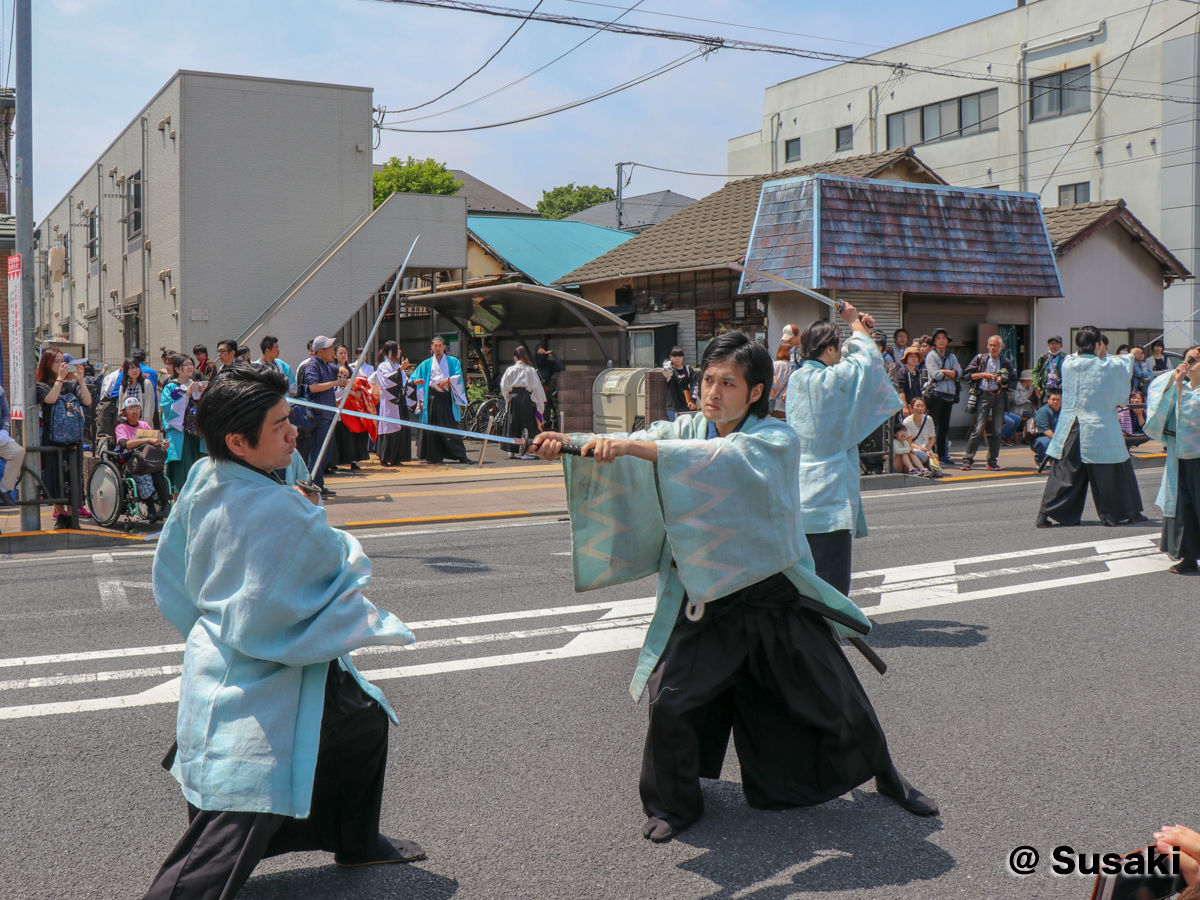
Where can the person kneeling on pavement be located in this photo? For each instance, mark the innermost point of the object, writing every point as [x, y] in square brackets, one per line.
[281, 743]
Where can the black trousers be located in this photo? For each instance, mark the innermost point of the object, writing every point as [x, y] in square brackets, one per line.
[992, 405]
[522, 414]
[1114, 487]
[1181, 532]
[316, 467]
[773, 673]
[939, 410]
[219, 850]
[435, 447]
[832, 555]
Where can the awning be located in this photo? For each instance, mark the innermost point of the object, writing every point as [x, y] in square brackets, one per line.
[520, 309]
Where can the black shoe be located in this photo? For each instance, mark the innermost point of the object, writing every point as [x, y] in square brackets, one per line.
[1111, 523]
[1138, 519]
[387, 850]
[8, 498]
[994, 467]
[659, 830]
[893, 786]
[354, 467]
[1043, 522]
[61, 522]
[326, 492]
[1184, 567]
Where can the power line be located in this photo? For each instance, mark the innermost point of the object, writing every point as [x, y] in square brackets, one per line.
[633, 82]
[524, 22]
[635, 165]
[717, 43]
[511, 83]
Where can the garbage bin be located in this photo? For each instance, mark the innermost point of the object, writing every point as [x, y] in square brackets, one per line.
[619, 401]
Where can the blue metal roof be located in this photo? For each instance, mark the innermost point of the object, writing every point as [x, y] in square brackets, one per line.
[544, 249]
[857, 234]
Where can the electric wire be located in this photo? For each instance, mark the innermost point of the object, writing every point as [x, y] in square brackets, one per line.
[447, 93]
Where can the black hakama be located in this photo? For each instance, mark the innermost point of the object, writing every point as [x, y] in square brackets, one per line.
[832, 553]
[219, 850]
[349, 446]
[1114, 488]
[774, 673]
[395, 447]
[522, 414]
[1181, 532]
[434, 446]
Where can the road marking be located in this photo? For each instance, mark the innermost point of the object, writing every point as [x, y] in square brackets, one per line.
[88, 678]
[112, 594]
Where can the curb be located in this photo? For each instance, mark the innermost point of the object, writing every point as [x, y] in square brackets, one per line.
[904, 480]
[66, 539]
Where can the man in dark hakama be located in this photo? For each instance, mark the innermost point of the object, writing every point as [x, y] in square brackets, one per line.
[1173, 417]
[1089, 447]
[440, 386]
[709, 503]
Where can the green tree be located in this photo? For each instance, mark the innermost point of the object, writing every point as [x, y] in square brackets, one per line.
[560, 202]
[414, 176]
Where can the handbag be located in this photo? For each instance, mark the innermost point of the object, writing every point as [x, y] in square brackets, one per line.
[146, 460]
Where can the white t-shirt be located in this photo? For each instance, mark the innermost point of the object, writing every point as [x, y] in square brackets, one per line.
[920, 436]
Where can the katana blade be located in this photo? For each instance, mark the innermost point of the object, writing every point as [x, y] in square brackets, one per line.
[758, 273]
[421, 426]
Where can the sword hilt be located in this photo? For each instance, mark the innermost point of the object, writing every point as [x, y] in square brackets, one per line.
[568, 448]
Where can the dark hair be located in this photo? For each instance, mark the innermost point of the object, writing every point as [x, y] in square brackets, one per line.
[388, 347]
[198, 349]
[1103, 340]
[438, 337]
[237, 402]
[310, 346]
[676, 351]
[522, 354]
[129, 363]
[1124, 348]
[1086, 339]
[139, 355]
[897, 331]
[751, 357]
[180, 359]
[267, 343]
[243, 350]
[817, 336]
[1050, 392]
[231, 346]
[167, 354]
[925, 339]
[1157, 342]
[44, 374]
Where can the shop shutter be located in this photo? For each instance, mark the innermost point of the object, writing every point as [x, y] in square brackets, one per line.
[885, 307]
[92, 318]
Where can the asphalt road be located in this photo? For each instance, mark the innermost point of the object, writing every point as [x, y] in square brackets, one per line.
[1044, 697]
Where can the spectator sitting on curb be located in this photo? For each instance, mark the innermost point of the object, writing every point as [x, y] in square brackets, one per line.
[1020, 408]
[923, 436]
[1045, 422]
[904, 460]
[1133, 421]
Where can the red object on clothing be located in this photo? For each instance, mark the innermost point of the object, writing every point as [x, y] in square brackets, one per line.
[362, 389]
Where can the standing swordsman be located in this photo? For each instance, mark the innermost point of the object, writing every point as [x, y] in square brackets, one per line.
[1089, 446]
[708, 503]
[442, 396]
[838, 396]
[281, 744]
[1173, 417]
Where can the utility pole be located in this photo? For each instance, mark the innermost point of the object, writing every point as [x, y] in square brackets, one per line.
[620, 191]
[31, 516]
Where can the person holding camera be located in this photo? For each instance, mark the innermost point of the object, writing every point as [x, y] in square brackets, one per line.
[321, 379]
[941, 389]
[990, 374]
[61, 395]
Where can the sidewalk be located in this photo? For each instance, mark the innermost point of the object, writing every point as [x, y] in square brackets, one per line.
[1016, 462]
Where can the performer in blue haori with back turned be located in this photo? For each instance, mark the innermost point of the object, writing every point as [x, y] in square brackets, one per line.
[1173, 417]
[745, 636]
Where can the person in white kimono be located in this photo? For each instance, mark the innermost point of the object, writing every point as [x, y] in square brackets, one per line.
[1173, 417]
[397, 398]
[442, 395]
[838, 396]
[742, 638]
[1089, 446]
[524, 398]
[281, 744]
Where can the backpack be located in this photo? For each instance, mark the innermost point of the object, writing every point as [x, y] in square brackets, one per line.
[66, 420]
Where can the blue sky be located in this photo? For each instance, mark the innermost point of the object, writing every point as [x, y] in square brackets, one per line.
[96, 63]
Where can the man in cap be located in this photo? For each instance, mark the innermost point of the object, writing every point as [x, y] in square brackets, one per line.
[943, 369]
[1047, 371]
[321, 379]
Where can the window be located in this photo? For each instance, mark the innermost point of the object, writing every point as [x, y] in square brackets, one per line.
[133, 206]
[972, 114]
[93, 232]
[1070, 194]
[845, 137]
[791, 150]
[1060, 94]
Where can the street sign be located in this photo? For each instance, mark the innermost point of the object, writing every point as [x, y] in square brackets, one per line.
[16, 351]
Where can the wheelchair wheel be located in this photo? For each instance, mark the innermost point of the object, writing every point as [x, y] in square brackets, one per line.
[105, 493]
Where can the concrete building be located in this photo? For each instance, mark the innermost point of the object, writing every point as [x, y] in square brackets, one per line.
[231, 206]
[1049, 100]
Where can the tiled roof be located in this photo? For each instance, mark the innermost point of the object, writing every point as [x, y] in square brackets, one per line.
[855, 234]
[483, 198]
[637, 213]
[714, 231]
[543, 249]
[1069, 226]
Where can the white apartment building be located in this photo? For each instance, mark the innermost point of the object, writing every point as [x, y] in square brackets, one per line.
[1040, 106]
[231, 207]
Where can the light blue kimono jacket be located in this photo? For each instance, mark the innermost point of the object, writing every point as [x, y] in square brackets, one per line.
[1173, 418]
[172, 403]
[1092, 389]
[458, 399]
[711, 517]
[266, 594]
[832, 409]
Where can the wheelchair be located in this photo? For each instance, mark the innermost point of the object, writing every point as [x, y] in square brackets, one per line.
[112, 494]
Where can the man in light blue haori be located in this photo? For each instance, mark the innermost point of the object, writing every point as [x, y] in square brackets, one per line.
[741, 639]
[1089, 446]
[281, 744]
[1173, 417]
[838, 396]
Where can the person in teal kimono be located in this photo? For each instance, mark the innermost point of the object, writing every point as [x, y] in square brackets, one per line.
[738, 642]
[1173, 417]
[1089, 446]
[838, 396]
[185, 450]
[281, 744]
[442, 396]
